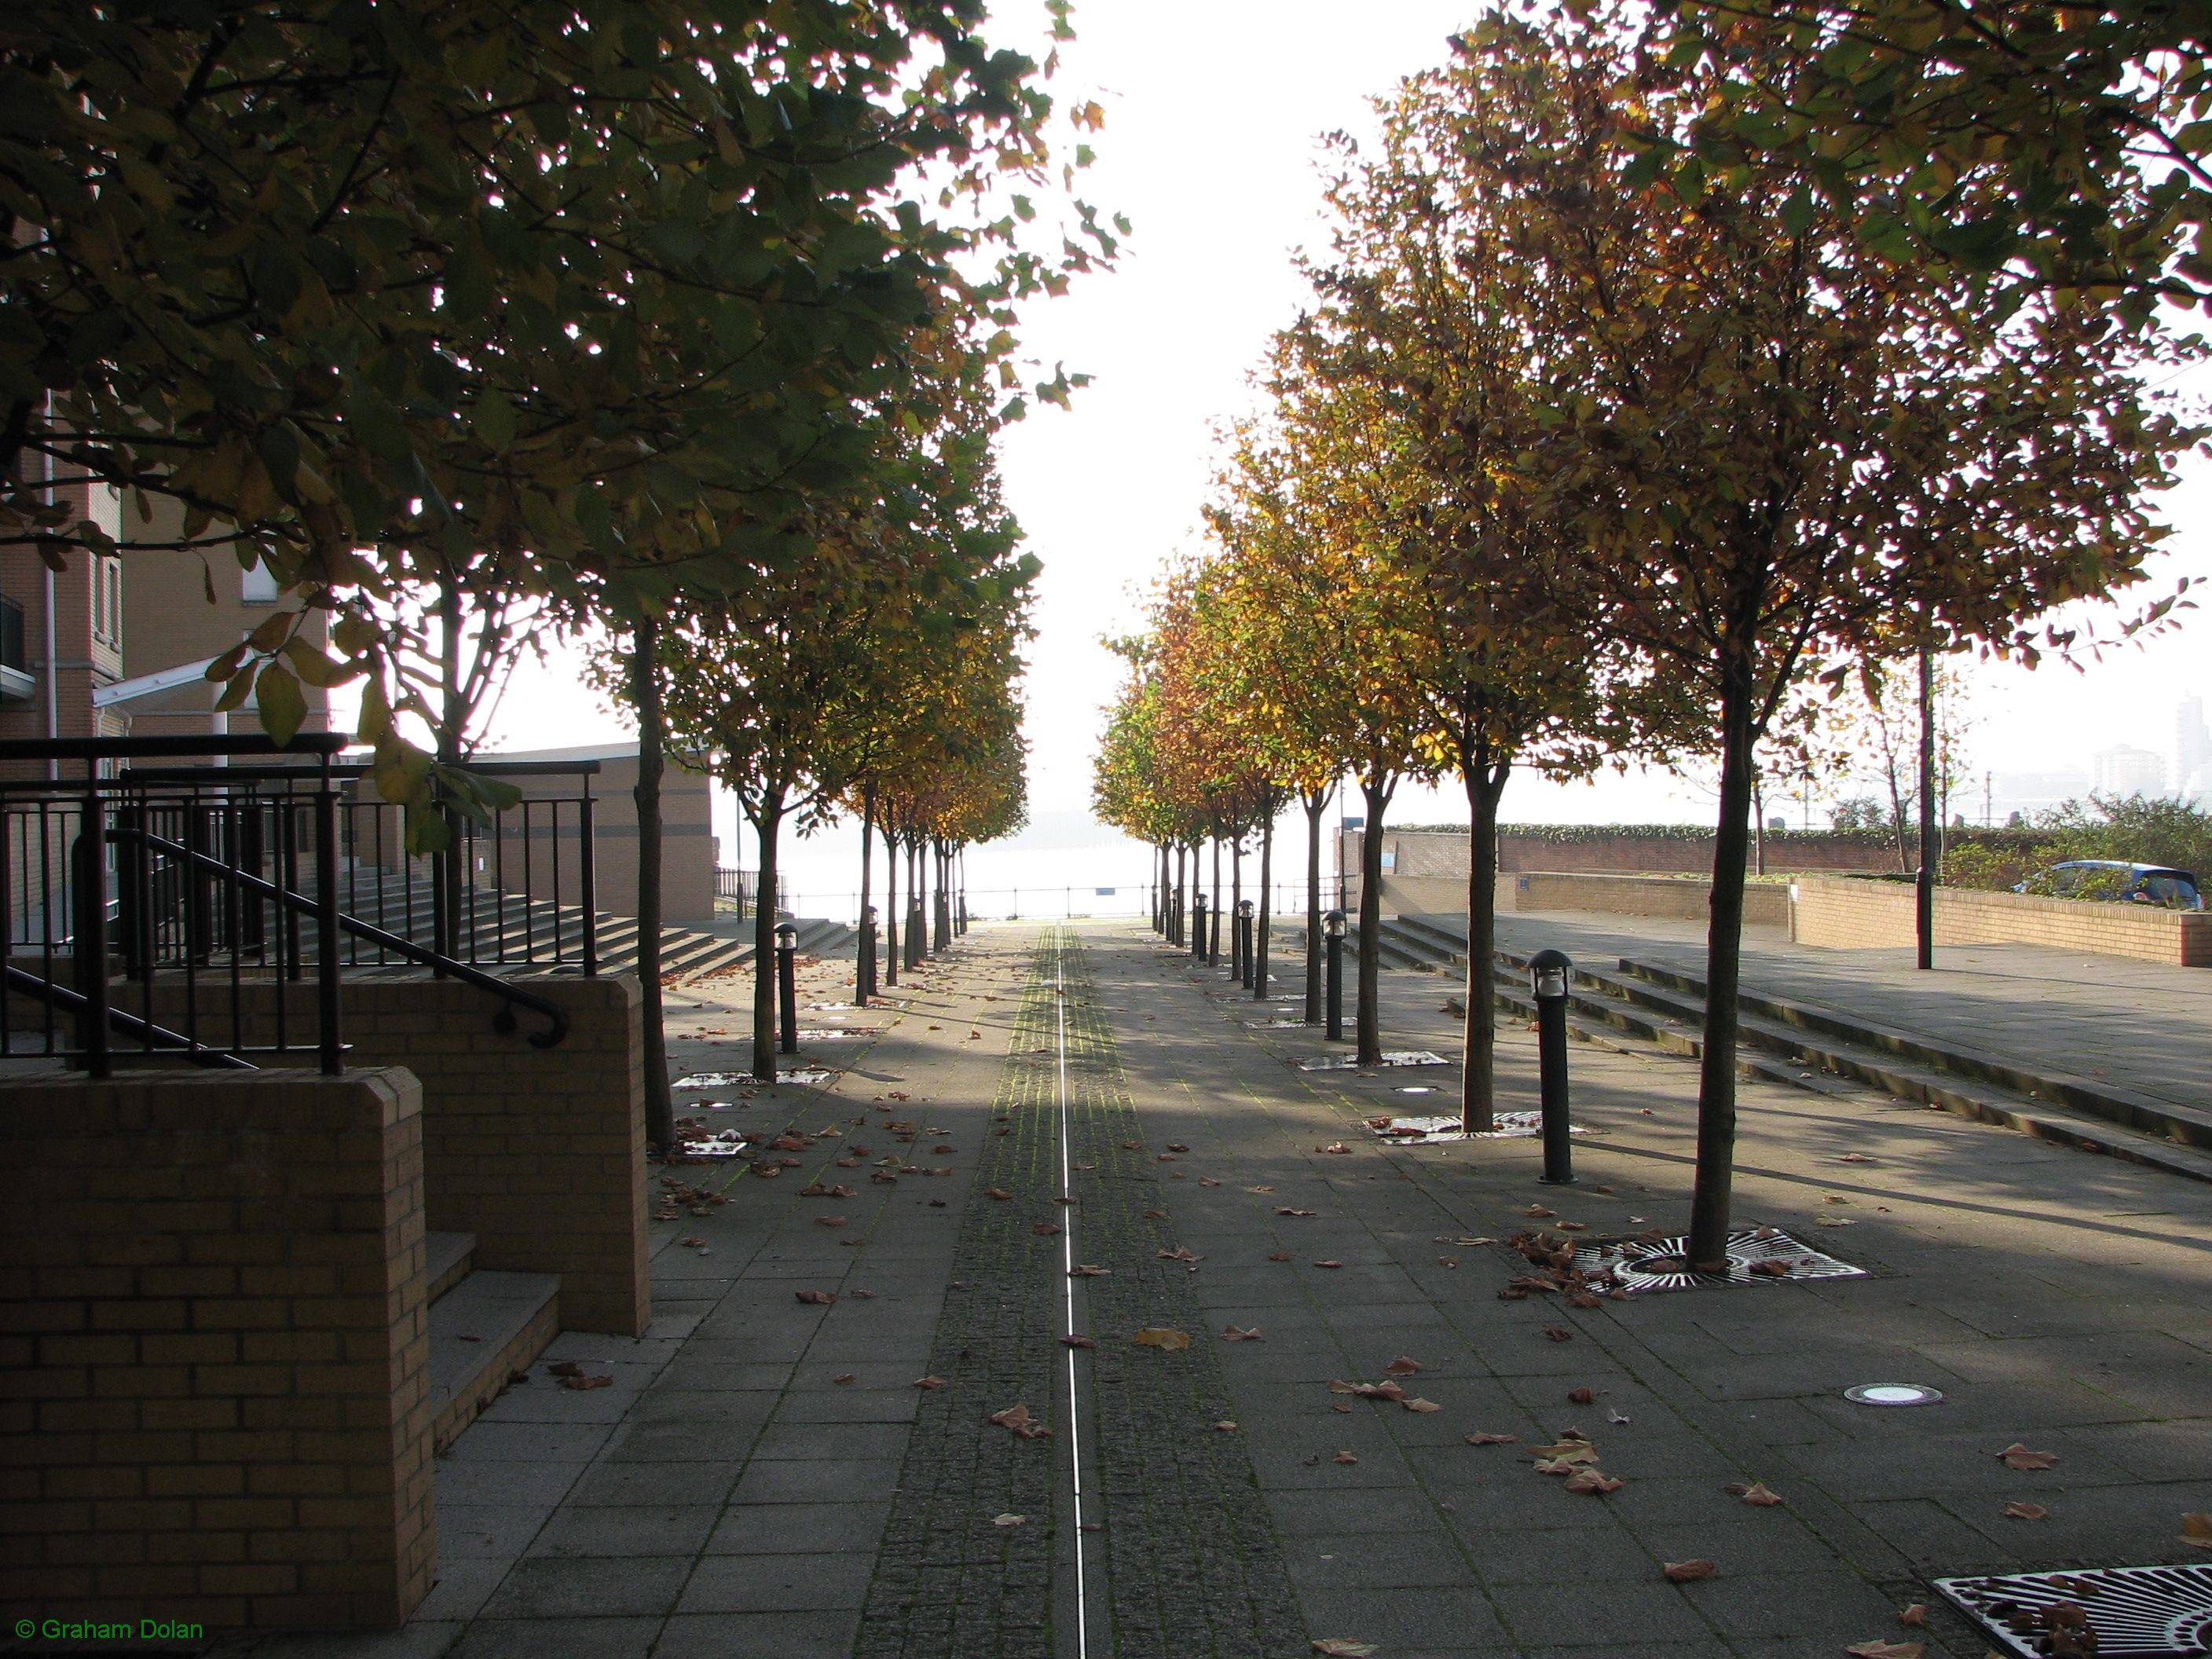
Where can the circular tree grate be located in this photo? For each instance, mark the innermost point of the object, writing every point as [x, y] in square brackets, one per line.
[2135, 1612]
[1755, 1254]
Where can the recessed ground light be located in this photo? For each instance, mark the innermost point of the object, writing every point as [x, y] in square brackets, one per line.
[1894, 1393]
[1415, 1089]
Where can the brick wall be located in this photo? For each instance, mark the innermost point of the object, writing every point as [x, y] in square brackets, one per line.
[1427, 854]
[1685, 898]
[216, 1393]
[539, 1152]
[1847, 914]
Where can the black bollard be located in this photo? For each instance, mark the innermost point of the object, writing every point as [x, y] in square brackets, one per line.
[787, 975]
[1333, 927]
[867, 986]
[1198, 929]
[1547, 971]
[1244, 908]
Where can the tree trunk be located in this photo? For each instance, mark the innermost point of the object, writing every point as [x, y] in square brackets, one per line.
[1213, 911]
[1260, 920]
[1479, 1084]
[1237, 907]
[917, 934]
[768, 822]
[943, 860]
[1159, 888]
[1923, 884]
[451, 719]
[1710, 1203]
[1314, 803]
[891, 903]
[863, 974]
[645, 696]
[1378, 794]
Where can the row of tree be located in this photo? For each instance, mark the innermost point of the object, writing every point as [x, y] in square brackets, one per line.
[1616, 430]
[682, 324]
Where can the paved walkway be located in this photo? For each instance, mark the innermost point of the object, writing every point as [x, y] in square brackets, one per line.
[2140, 1025]
[765, 1477]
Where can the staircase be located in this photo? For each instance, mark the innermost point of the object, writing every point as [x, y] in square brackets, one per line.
[514, 931]
[1832, 1052]
[484, 1327]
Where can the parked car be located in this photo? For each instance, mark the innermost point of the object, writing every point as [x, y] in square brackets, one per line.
[2117, 881]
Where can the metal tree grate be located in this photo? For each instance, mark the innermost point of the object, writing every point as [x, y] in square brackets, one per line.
[1634, 1264]
[1433, 1131]
[2133, 1612]
[1395, 1057]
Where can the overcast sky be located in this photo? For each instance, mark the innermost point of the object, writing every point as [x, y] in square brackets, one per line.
[1213, 108]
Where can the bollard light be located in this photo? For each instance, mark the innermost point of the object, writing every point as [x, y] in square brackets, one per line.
[786, 973]
[1547, 972]
[1333, 927]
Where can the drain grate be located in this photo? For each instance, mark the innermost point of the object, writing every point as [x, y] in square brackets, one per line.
[1349, 1063]
[1755, 1255]
[2133, 1613]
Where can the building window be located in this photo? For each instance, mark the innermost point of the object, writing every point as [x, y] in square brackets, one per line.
[114, 577]
[257, 585]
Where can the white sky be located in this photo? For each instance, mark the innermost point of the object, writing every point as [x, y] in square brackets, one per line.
[1212, 110]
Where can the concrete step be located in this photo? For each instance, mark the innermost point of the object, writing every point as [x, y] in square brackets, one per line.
[451, 1257]
[1780, 1041]
[487, 1327]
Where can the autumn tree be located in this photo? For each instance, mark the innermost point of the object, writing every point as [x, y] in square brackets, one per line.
[1777, 446]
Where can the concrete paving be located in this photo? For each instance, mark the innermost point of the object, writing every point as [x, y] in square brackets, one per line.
[764, 1478]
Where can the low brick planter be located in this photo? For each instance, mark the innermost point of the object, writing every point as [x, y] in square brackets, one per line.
[1844, 913]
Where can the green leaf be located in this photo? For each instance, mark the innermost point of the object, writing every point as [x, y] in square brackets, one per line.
[282, 706]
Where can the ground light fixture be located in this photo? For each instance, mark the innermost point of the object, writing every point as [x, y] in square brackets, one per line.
[787, 966]
[1333, 927]
[1893, 1393]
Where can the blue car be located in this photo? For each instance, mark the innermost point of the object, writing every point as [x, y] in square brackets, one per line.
[2118, 882]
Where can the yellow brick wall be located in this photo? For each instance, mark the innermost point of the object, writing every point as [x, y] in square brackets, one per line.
[539, 1152]
[1848, 914]
[216, 1393]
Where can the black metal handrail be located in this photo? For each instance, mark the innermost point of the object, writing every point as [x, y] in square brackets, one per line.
[504, 989]
[139, 852]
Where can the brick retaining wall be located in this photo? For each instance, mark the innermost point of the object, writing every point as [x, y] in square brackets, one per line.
[216, 1389]
[539, 1152]
[1765, 905]
[1843, 914]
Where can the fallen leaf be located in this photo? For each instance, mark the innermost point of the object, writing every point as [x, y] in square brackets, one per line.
[816, 1298]
[1044, 1229]
[996, 1192]
[1855, 1157]
[1833, 1221]
[1448, 1262]
[1402, 1366]
[1086, 1271]
[1225, 1426]
[1177, 1147]
[1757, 1493]
[929, 1383]
[1346, 1457]
[1887, 1650]
[1537, 1211]
[1279, 1255]
[1259, 1190]
[1206, 1180]
[1914, 1616]
[1017, 1417]
[844, 1379]
[1339, 1647]
[2018, 1510]
[1574, 1227]
[829, 1220]
[2017, 1457]
[1614, 1416]
[2196, 1529]
[1688, 1573]
[1328, 1264]
[1582, 1396]
[1333, 1146]
[1162, 1336]
[1417, 1404]
[1558, 1332]
[1240, 1334]
[1567, 1454]
[1157, 1215]
[1009, 1519]
[1284, 1210]
[1078, 1340]
[1591, 1482]
[587, 1381]
[1182, 1253]
[1479, 1438]
[1771, 1269]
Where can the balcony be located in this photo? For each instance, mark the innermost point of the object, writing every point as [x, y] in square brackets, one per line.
[16, 683]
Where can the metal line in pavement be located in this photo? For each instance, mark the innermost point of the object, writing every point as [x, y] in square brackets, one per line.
[1068, 1281]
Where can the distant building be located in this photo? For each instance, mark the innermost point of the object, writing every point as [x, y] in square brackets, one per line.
[2123, 769]
[2192, 750]
[2030, 792]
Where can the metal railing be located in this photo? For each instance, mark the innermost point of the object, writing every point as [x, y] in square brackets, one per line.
[742, 888]
[201, 893]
